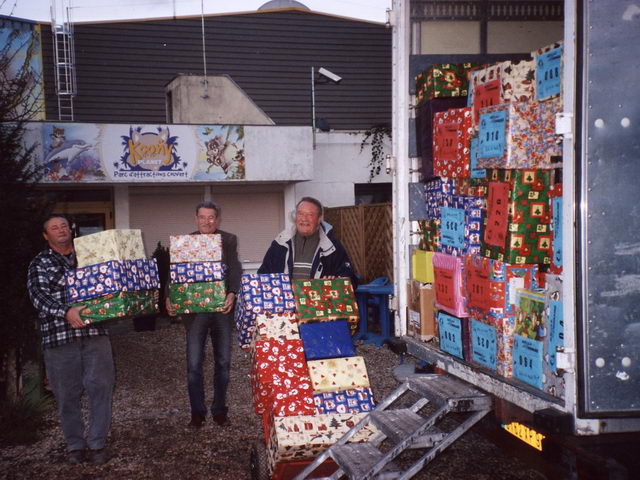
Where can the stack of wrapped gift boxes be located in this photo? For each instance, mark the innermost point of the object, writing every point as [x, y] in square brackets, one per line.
[494, 214]
[196, 273]
[113, 278]
[308, 384]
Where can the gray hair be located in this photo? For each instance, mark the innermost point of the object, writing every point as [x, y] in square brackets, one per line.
[209, 204]
[315, 201]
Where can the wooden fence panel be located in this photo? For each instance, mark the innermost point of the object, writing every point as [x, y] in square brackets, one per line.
[366, 233]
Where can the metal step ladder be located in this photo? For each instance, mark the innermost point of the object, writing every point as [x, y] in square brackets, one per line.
[417, 426]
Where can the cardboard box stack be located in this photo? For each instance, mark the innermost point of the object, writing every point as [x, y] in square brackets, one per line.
[308, 385]
[494, 220]
[113, 278]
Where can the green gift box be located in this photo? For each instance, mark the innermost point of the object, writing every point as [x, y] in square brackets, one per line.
[429, 235]
[325, 299]
[517, 220]
[443, 80]
[201, 297]
[119, 305]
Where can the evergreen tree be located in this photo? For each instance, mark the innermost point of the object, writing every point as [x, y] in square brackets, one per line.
[22, 210]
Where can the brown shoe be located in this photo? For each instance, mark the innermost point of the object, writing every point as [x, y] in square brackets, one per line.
[221, 419]
[75, 457]
[196, 420]
[98, 457]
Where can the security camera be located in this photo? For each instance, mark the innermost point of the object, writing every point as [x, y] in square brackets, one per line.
[330, 75]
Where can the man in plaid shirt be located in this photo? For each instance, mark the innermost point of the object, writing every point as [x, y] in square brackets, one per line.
[77, 357]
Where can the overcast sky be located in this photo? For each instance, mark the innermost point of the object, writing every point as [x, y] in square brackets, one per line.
[89, 10]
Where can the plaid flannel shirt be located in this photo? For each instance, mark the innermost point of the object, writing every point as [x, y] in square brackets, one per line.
[46, 286]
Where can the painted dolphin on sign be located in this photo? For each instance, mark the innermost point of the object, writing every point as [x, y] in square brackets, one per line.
[66, 152]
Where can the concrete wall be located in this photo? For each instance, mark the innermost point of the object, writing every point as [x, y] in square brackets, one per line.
[219, 100]
[338, 164]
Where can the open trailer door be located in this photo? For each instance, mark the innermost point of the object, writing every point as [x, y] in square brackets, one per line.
[608, 210]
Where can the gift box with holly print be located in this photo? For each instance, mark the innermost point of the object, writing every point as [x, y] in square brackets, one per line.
[119, 305]
[325, 299]
[203, 297]
[517, 220]
[443, 80]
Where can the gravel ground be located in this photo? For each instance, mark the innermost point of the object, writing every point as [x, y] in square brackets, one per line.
[150, 438]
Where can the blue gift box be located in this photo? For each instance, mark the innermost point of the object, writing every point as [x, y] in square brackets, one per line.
[461, 225]
[84, 283]
[326, 340]
[435, 192]
[347, 401]
[196, 272]
[261, 293]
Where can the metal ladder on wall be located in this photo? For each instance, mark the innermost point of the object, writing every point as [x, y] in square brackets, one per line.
[414, 427]
[64, 64]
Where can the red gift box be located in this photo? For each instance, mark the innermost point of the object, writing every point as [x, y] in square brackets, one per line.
[275, 363]
[452, 142]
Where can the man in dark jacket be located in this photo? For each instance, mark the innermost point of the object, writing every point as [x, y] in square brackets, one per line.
[216, 325]
[309, 250]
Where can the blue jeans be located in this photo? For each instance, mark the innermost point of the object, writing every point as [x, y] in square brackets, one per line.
[84, 365]
[218, 326]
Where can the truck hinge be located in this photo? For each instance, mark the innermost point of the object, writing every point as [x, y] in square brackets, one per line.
[390, 164]
[564, 124]
[566, 360]
[393, 303]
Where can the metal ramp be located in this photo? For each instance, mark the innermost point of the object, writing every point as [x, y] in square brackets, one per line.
[406, 427]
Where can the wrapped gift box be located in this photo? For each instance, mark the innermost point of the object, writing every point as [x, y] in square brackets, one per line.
[268, 292]
[517, 225]
[429, 235]
[261, 293]
[275, 326]
[195, 248]
[519, 135]
[518, 81]
[553, 381]
[461, 225]
[324, 299]
[204, 297]
[275, 363]
[449, 284]
[424, 128]
[119, 305]
[470, 187]
[485, 89]
[454, 335]
[422, 265]
[443, 80]
[436, 190]
[496, 326]
[326, 340]
[548, 75]
[491, 285]
[193, 272]
[357, 400]
[530, 314]
[306, 436]
[109, 245]
[109, 277]
[338, 374]
[294, 396]
[452, 142]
